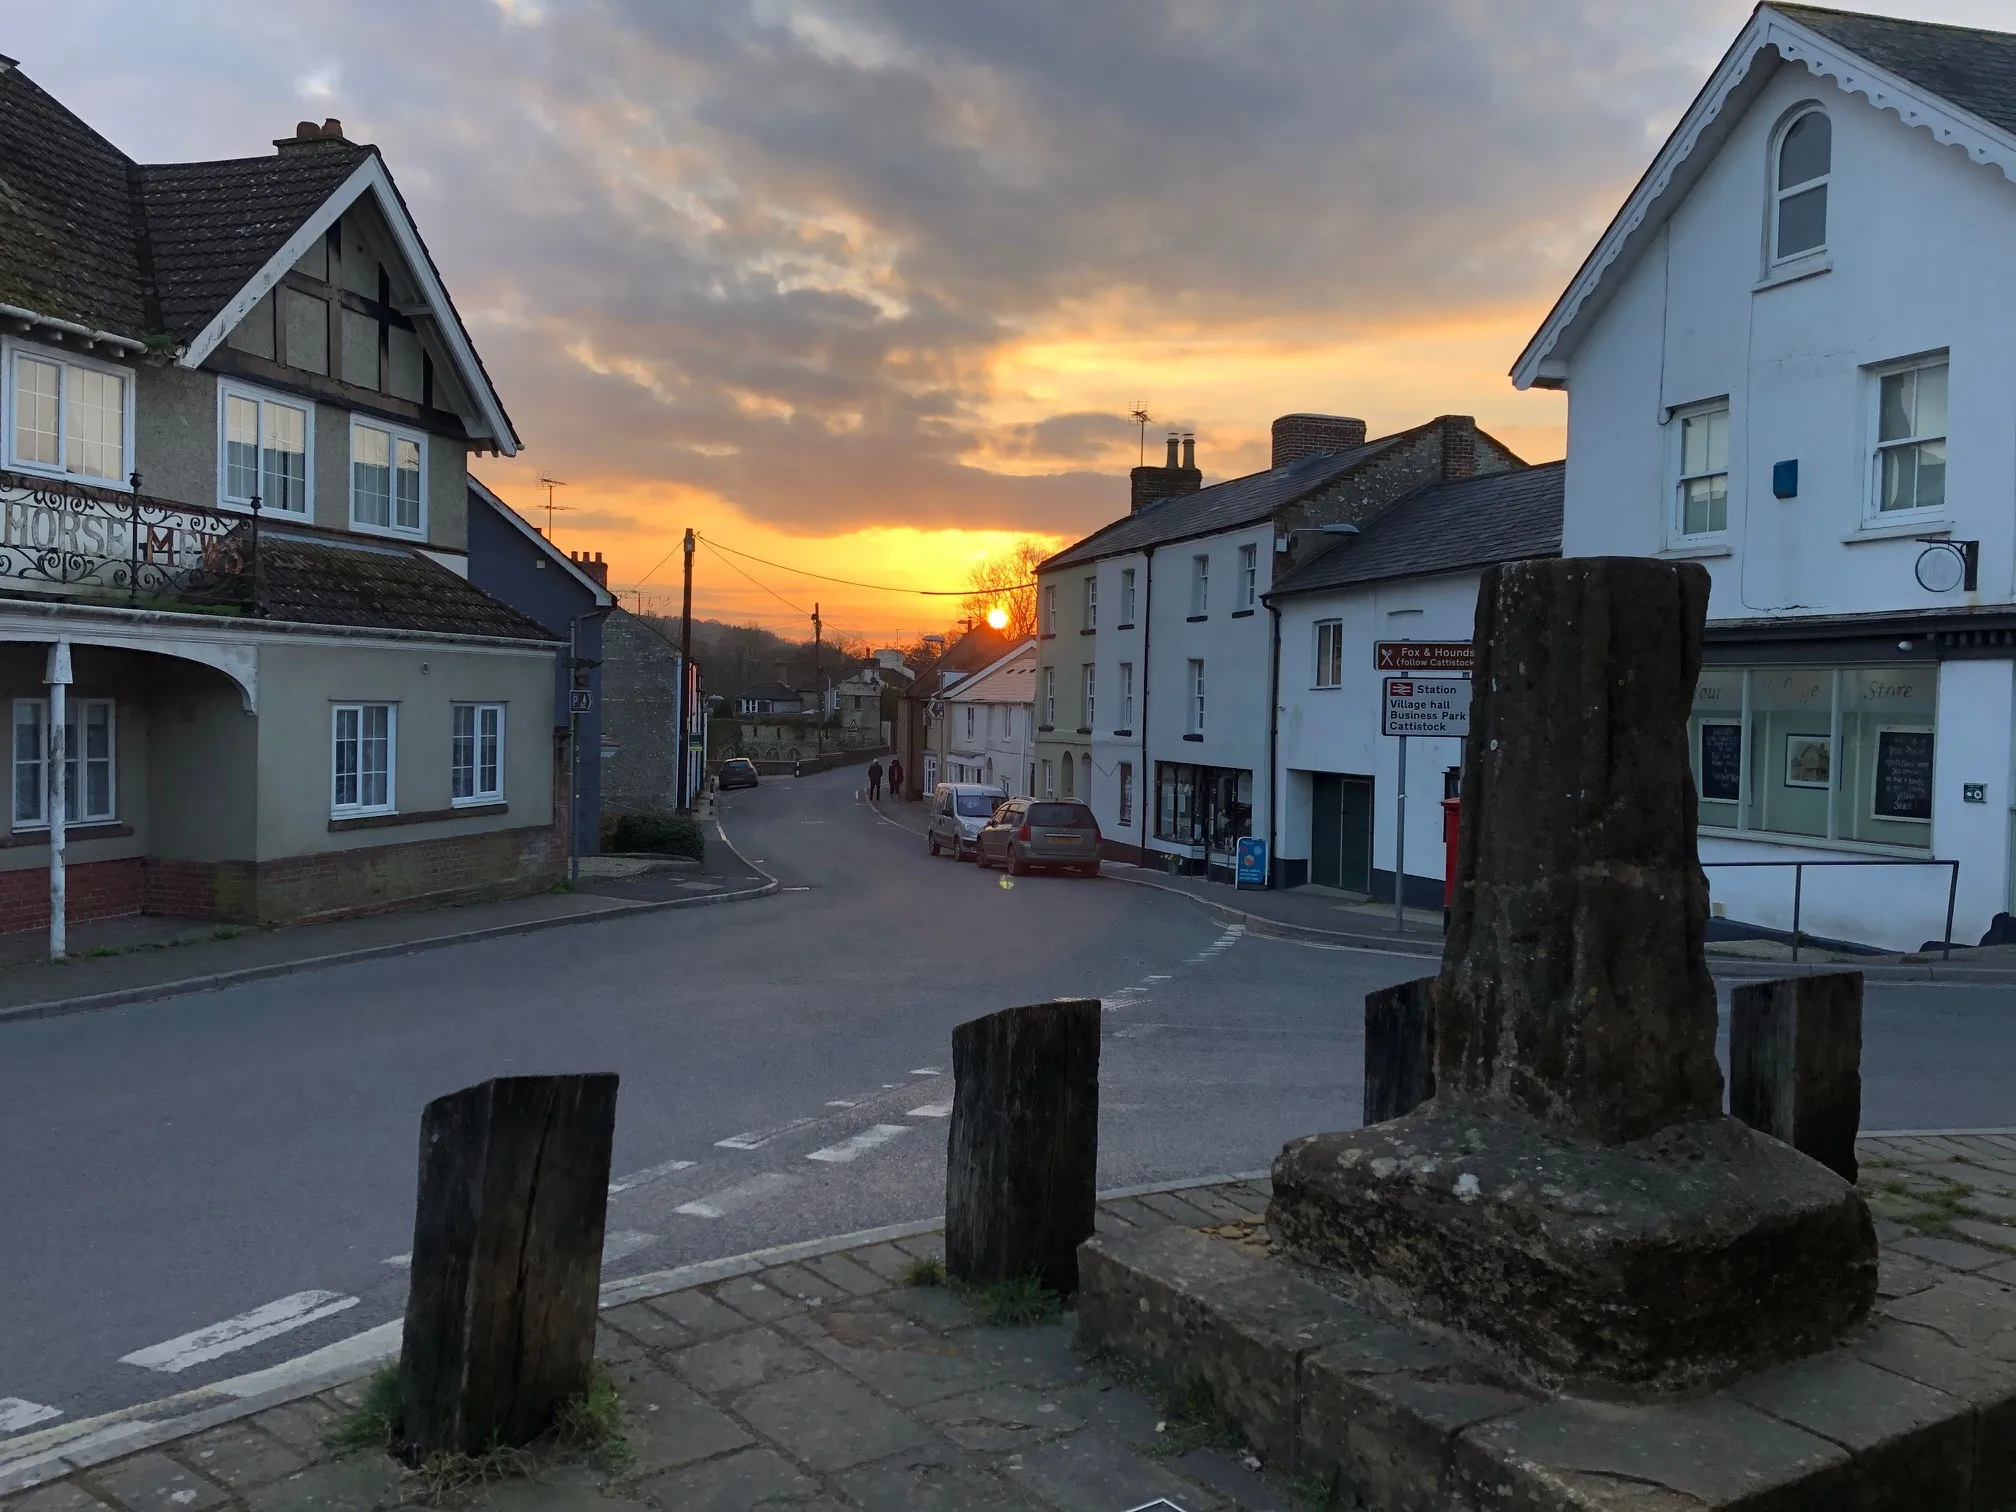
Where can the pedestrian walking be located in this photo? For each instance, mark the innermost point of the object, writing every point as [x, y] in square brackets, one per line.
[895, 779]
[874, 781]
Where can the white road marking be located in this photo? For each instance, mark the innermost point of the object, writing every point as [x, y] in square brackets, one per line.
[404, 1262]
[1160, 977]
[761, 1137]
[931, 1110]
[741, 1195]
[648, 1174]
[624, 1242]
[929, 1071]
[366, 1348]
[859, 1144]
[241, 1332]
[841, 1102]
[16, 1414]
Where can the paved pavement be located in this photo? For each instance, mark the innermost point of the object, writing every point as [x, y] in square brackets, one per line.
[242, 1160]
[826, 1383]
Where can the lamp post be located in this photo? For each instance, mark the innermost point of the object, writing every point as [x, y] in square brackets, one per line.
[57, 676]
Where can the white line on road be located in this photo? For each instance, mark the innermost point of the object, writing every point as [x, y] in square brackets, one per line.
[241, 1332]
[929, 1071]
[1159, 977]
[859, 1144]
[761, 1137]
[841, 1102]
[404, 1262]
[649, 1173]
[931, 1110]
[741, 1195]
[624, 1242]
[16, 1414]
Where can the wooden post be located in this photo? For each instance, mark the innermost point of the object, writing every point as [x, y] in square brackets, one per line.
[1795, 1063]
[1024, 1144]
[1399, 1049]
[507, 1260]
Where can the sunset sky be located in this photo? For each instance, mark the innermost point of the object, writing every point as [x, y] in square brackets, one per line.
[868, 287]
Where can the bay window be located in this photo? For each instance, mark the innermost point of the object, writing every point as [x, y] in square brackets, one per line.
[65, 415]
[90, 786]
[361, 763]
[386, 468]
[1818, 753]
[477, 754]
[265, 451]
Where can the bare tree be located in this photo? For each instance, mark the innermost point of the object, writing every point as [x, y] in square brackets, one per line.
[1007, 581]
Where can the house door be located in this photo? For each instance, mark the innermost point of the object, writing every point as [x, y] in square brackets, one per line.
[1340, 840]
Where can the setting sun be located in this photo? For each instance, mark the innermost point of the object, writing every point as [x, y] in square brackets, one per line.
[997, 618]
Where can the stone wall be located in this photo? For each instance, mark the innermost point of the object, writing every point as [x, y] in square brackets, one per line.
[640, 716]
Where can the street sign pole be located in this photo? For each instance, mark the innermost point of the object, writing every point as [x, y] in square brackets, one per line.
[1400, 847]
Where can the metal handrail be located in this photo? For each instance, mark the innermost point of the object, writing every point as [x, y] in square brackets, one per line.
[1799, 881]
[86, 540]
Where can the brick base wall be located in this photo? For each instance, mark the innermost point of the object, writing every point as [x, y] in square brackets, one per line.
[95, 890]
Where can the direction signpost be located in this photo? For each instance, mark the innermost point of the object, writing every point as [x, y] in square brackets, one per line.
[1432, 705]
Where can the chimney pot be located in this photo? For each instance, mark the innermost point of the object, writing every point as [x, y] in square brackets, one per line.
[307, 131]
[333, 128]
[1189, 451]
[1172, 450]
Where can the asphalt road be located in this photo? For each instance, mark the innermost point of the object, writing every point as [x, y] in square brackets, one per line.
[174, 1165]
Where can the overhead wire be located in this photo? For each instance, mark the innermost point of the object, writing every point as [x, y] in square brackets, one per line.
[966, 592]
[758, 582]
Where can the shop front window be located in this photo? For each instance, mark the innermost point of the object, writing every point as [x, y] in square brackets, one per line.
[1203, 806]
[1822, 753]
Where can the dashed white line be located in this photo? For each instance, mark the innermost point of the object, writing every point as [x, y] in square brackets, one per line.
[761, 1137]
[929, 1071]
[15, 1414]
[743, 1194]
[648, 1174]
[859, 1144]
[931, 1110]
[842, 1102]
[403, 1262]
[624, 1242]
[241, 1332]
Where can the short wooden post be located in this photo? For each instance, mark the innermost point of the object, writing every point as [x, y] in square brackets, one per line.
[1795, 1063]
[507, 1260]
[1024, 1144]
[1399, 1049]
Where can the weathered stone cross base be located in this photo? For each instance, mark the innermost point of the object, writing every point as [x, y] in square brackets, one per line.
[1667, 1264]
[1915, 1409]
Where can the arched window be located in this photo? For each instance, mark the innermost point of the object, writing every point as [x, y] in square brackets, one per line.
[1068, 793]
[1800, 171]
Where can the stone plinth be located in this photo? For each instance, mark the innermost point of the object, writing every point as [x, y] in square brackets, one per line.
[1573, 1198]
[1664, 1264]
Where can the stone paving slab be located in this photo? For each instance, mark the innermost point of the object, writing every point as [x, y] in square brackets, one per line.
[824, 1385]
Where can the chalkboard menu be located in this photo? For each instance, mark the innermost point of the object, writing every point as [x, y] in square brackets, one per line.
[1721, 762]
[1904, 774]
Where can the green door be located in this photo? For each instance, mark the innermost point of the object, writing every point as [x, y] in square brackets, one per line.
[1325, 830]
[1354, 834]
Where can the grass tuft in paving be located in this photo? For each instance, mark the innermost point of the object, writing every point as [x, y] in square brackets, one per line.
[1012, 1304]
[926, 1272]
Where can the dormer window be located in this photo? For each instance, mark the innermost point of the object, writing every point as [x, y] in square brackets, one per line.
[1805, 159]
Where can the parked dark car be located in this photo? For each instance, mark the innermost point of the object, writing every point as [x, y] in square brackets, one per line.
[1029, 832]
[738, 772]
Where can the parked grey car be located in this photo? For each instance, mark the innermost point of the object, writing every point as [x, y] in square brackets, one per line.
[1029, 832]
[956, 812]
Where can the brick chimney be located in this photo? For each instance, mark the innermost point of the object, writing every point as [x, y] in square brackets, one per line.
[594, 566]
[1459, 446]
[1147, 485]
[1299, 436]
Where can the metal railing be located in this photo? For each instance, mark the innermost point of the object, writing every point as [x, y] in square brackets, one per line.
[68, 538]
[1799, 886]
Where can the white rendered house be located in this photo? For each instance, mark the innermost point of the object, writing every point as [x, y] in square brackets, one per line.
[988, 722]
[1792, 358]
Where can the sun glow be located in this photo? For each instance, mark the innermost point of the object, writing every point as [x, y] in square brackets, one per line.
[997, 618]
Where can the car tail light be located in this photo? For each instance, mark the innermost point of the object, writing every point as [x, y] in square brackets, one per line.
[1023, 833]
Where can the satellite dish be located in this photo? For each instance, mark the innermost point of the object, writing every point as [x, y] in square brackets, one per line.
[1946, 565]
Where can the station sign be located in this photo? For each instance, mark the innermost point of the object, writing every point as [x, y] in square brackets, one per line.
[1428, 706]
[1450, 658]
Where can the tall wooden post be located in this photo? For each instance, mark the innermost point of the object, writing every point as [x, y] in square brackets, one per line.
[1024, 1144]
[1795, 1063]
[507, 1260]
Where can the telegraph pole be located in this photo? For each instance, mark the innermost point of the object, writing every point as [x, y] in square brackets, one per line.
[819, 718]
[685, 783]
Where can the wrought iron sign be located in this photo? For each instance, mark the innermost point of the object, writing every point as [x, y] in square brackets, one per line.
[65, 538]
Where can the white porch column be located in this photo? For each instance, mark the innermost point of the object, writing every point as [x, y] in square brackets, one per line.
[57, 676]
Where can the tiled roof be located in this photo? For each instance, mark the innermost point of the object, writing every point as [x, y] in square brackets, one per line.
[315, 582]
[1968, 67]
[1445, 527]
[1223, 506]
[212, 226]
[979, 647]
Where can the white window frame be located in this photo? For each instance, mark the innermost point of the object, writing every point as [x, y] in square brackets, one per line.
[1049, 609]
[10, 349]
[1780, 194]
[1676, 526]
[1126, 696]
[1873, 512]
[1092, 602]
[397, 433]
[1333, 631]
[1090, 669]
[229, 389]
[1050, 697]
[77, 709]
[360, 809]
[478, 794]
[1126, 807]
[969, 721]
[1196, 695]
[1126, 595]
[1049, 778]
[1200, 583]
[1249, 575]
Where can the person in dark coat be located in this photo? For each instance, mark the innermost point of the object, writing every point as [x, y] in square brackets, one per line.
[874, 781]
[895, 779]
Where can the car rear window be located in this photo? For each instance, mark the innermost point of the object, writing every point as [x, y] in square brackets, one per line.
[740, 763]
[1062, 815]
[977, 805]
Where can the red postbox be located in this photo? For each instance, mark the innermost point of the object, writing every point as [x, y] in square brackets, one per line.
[1452, 820]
